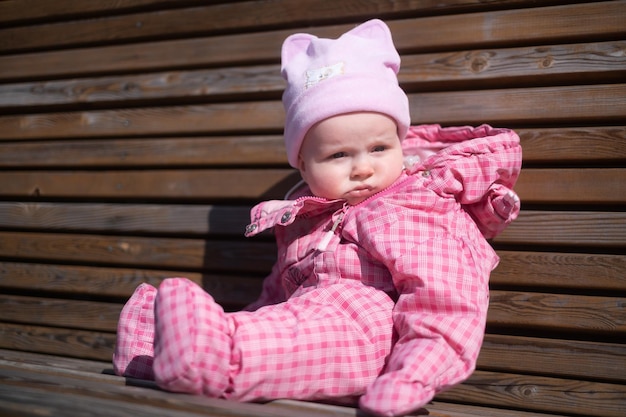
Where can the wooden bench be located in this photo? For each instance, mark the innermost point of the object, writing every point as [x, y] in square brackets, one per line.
[135, 135]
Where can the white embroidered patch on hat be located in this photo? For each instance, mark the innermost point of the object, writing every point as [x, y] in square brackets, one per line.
[315, 76]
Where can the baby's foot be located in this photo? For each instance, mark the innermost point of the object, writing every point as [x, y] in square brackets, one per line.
[192, 344]
[134, 349]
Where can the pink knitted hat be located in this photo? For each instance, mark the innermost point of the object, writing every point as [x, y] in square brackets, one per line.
[329, 77]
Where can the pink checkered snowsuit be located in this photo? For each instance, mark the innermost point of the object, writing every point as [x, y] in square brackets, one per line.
[385, 300]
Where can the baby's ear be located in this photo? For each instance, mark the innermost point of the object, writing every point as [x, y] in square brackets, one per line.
[374, 29]
[301, 164]
[294, 45]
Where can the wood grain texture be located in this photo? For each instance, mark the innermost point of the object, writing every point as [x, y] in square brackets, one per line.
[538, 227]
[572, 186]
[28, 10]
[231, 16]
[231, 290]
[583, 104]
[558, 357]
[53, 341]
[519, 106]
[558, 312]
[54, 395]
[540, 146]
[180, 152]
[541, 394]
[499, 28]
[561, 271]
[575, 63]
[159, 219]
[579, 228]
[206, 20]
[72, 314]
[240, 117]
[145, 252]
[563, 185]
[573, 144]
[579, 63]
[199, 185]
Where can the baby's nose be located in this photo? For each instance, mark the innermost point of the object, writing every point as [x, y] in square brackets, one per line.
[362, 167]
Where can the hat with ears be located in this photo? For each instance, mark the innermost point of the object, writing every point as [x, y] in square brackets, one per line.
[328, 77]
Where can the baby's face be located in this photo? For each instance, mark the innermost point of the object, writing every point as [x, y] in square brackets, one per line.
[351, 156]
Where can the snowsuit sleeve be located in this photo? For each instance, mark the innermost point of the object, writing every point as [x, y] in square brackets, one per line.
[480, 173]
[441, 272]
[440, 320]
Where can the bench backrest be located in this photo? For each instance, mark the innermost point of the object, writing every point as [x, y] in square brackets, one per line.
[135, 136]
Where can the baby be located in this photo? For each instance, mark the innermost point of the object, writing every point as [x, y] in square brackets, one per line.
[380, 291]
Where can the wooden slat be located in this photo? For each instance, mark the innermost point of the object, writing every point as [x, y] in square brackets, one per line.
[432, 409]
[557, 312]
[257, 116]
[232, 291]
[149, 252]
[516, 106]
[56, 341]
[598, 103]
[590, 62]
[575, 186]
[155, 184]
[560, 358]
[28, 10]
[581, 359]
[577, 228]
[233, 16]
[586, 63]
[541, 145]
[74, 314]
[45, 368]
[55, 395]
[585, 360]
[567, 144]
[93, 386]
[541, 25]
[53, 364]
[162, 219]
[177, 152]
[212, 84]
[516, 270]
[540, 394]
[560, 270]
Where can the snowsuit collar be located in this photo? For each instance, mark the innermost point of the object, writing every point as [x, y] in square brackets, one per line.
[429, 150]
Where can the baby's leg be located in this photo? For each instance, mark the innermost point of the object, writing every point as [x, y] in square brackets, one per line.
[329, 343]
[135, 335]
[192, 344]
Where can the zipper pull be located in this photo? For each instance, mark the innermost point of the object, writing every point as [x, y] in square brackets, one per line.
[329, 234]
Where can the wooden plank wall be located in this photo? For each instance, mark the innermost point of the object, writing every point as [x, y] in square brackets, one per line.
[135, 135]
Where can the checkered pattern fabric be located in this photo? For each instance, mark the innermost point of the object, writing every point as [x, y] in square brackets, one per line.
[392, 311]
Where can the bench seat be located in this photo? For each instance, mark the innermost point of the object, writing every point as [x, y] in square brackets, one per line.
[136, 135]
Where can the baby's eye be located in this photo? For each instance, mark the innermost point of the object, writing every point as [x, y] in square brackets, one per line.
[338, 155]
[380, 148]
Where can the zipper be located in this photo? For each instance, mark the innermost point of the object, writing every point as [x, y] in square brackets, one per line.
[323, 244]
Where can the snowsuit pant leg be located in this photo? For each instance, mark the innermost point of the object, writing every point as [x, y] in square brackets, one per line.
[330, 342]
